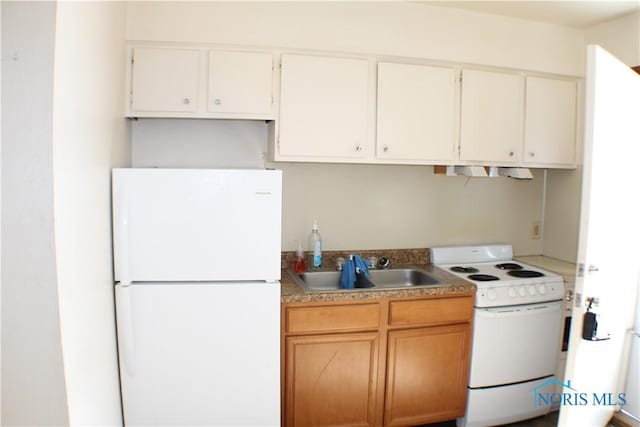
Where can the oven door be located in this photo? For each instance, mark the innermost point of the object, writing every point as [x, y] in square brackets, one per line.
[515, 343]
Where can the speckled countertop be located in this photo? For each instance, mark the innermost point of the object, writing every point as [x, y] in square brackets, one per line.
[451, 284]
[566, 269]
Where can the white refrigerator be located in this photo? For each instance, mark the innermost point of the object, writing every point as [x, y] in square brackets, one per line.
[197, 266]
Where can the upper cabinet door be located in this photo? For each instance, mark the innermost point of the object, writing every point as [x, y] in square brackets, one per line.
[240, 82]
[416, 112]
[323, 108]
[492, 116]
[550, 121]
[164, 80]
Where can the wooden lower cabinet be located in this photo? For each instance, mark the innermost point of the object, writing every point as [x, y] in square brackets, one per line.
[331, 380]
[427, 372]
[391, 362]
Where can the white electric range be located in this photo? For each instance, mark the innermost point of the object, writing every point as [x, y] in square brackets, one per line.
[516, 331]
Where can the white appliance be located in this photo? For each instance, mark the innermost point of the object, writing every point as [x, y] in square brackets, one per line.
[197, 261]
[516, 332]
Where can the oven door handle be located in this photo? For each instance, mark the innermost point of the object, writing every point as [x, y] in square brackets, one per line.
[520, 310]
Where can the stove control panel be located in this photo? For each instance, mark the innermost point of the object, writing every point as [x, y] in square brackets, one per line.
[510, 294]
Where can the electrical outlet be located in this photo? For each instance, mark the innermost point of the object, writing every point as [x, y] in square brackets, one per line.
[536, 230]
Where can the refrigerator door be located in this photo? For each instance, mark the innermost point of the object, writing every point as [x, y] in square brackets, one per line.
[191, 225]
[200, 354]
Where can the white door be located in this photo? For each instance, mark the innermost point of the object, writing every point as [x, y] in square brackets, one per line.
[323, 107]
[492, 117]
[240, 82]
[165, 79]
[609, 236]
[416, 112]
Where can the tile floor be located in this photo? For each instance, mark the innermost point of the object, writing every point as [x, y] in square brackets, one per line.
[549, 420]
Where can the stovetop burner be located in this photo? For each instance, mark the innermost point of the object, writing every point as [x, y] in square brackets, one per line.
[525, 273]
[461, 269]
[500, 279]
[483, 277]
[509, 266]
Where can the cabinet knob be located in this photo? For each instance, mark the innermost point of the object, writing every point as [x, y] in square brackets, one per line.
[511, 153]
[532, 154]
[385, 148]
[186, 101]
[217, 101]
[358, 148]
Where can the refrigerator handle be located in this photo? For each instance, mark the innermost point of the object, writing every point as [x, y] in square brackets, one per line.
[125, 330]
[121, 235]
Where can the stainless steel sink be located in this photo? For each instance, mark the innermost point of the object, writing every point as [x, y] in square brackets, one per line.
[392, 278]
[402, 278]
[324, 281]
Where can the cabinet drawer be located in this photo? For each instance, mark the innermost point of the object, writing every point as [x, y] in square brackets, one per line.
[430, 312]
[332, 318]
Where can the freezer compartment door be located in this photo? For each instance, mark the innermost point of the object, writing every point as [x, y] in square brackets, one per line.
[189, 224]
[200, 354]
[516, 343]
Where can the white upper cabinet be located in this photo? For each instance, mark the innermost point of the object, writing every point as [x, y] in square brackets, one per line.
[324, 105]
[492, 117]
[341, 109]
[240, 82]
[200, 83]
[164, 80]
[550, 122]
[416, 119]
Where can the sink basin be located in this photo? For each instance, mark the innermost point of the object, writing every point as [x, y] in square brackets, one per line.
[401, 278]
[392, 278]
[323, 281]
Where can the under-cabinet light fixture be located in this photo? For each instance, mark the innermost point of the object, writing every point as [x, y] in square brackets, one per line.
[518, 173]
[492, 171]
[471, 170]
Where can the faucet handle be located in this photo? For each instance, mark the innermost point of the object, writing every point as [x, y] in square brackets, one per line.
[340, 263]
[384, 262]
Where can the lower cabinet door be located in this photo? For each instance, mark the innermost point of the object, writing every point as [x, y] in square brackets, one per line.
[330, 380]
[427, 373]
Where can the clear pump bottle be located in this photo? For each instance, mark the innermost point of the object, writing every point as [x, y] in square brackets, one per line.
[315, 246]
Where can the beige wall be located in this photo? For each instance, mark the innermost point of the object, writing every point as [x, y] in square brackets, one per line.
[90, 136]
[371, 207]
[384, 28]
[621, 37]
[562, 214]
